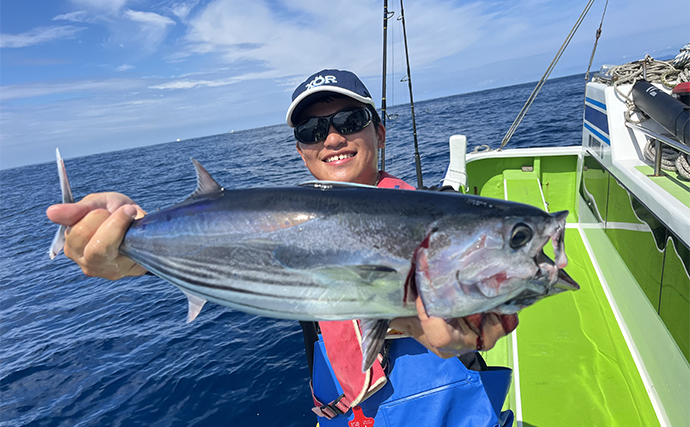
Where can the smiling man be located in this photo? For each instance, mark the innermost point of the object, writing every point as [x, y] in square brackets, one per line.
[339, 134]
[338, 131]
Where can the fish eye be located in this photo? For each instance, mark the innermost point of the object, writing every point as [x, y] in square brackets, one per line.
[521, 235]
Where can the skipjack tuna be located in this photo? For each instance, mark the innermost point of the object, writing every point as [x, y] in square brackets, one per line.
[336, 251]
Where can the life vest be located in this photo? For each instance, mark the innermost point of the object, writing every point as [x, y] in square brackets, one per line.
[387, 180]
[422, 389]
[344, 341]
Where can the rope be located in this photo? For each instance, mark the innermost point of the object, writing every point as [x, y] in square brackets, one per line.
[650, 69]
[682, 60]
[683, 166]
[668, 73]
[481, 148]
[668, 155]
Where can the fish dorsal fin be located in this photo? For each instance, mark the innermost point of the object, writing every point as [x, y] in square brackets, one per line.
[194, 306]
[206, 185]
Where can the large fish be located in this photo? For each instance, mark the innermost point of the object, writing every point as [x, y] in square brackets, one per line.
[334, 251]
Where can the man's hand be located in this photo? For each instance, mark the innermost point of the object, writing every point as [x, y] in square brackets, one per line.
[450, 338]
[96, 226]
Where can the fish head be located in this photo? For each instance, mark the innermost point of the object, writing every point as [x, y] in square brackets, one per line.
[470, 266]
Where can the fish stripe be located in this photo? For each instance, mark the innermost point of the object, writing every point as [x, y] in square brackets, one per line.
[178, 272]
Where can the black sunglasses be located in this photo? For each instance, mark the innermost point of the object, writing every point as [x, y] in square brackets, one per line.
[346, 122]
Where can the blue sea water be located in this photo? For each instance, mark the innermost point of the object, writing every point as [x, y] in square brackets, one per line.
[81, 351]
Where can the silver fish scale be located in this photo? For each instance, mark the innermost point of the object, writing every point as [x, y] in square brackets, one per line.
[308, 254]
[266, 274]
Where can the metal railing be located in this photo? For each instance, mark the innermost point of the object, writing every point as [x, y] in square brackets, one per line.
[662, 140]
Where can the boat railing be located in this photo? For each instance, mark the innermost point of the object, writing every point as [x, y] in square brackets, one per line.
[662, 139]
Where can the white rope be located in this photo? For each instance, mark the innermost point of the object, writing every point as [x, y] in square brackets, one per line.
[682, 60]
[670, 74]
[668, 155]
[683, 166]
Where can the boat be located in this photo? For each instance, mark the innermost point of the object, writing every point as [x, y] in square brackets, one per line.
[616, 352]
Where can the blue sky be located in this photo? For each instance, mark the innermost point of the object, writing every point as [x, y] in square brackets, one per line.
[91, 76]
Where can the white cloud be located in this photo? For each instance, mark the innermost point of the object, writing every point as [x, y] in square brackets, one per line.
[299, 37]
[107, 6]
[38, 36]
[32, 90]
[149, 18]
[190, 84]
[79, 16]
[124, 67]
[183, 9]
[185, 83]
[146, 30]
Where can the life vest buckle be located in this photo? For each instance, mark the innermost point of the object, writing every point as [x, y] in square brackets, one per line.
[339, 406]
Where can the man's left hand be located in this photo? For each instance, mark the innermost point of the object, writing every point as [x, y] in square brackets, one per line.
[453, 337]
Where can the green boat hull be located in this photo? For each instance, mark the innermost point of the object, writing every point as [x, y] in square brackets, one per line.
[616, 352]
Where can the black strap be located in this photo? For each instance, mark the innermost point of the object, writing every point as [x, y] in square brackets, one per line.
[473, 361]
[310, 332]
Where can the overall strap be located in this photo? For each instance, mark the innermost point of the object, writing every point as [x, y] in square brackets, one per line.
[332, 409]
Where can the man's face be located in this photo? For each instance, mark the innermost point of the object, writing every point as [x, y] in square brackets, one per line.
[346, 158]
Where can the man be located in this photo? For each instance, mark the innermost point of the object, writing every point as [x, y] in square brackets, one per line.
[338, 134]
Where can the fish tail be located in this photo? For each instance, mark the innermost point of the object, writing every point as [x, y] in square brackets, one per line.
[59, 239]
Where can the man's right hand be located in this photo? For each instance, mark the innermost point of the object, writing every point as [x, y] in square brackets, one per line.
[96, 226]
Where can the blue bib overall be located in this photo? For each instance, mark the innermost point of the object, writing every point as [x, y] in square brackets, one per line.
[422, 390]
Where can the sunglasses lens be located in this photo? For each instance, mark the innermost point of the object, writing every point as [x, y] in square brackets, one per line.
[353, 121]
[312, 130]
[346, 122]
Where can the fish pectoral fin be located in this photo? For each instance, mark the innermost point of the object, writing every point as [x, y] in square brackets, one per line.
[373, 337]
[372, 273]
[194, 306]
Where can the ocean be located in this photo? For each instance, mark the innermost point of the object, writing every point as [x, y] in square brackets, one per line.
[81, 351]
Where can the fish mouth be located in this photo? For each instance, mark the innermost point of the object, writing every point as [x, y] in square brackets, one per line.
[558, 279]
[558, 237]
[551, 279]
[548, 268]
[551, 271]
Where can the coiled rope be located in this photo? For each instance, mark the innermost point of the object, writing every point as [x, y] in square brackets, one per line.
[668, 73]
[672, 160]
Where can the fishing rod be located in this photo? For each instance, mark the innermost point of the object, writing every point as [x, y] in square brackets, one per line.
[408, 77]
[384, 114]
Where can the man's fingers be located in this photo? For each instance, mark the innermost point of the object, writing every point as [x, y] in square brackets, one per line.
[105, 243]
[509, 322]
[421, 311]
[491, 331]
[67, 214]
[79, 236]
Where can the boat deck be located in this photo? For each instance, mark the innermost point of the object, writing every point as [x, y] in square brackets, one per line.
[600, 356]
[670, 182]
